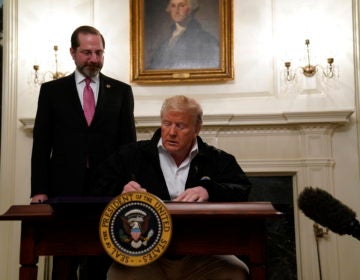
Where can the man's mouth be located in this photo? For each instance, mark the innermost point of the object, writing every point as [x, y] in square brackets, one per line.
[92, 66]
[172, 143]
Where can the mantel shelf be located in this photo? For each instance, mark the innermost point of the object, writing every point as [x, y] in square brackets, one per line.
[284, 118]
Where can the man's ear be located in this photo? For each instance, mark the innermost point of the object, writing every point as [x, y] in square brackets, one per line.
[72, 52]
[198, 129]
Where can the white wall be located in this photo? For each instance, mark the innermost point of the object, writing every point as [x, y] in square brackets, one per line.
[266, 33]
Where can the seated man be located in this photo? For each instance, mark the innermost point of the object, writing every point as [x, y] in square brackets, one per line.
[176, 164]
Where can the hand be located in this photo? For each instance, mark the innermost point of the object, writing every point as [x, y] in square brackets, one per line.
[39, 198]
[133, 186]
[198, 194]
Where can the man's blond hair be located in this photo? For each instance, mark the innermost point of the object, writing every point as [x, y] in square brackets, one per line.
[182, 103]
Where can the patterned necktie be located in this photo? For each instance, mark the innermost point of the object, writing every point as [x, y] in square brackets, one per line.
[89, 101]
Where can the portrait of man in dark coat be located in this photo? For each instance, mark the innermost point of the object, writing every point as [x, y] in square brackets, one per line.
[187, 42]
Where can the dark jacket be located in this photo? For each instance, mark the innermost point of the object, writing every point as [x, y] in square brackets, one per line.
[64, 145]
[140, 162]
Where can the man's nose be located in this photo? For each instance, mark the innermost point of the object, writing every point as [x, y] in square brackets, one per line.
[172, 129]
[93, 57]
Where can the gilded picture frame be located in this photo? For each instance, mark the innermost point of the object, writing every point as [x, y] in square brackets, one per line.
[202, 53]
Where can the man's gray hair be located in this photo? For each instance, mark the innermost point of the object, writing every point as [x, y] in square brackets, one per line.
[194, 5]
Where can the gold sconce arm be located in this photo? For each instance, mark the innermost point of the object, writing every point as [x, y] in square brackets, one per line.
[289, 74]
[309, 70]
[329, 72]
[36, 74]
[54, 75]
[57, 74]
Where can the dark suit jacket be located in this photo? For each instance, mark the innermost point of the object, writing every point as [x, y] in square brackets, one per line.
[64, 145]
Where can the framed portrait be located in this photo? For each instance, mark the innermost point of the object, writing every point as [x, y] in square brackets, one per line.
[181, 41]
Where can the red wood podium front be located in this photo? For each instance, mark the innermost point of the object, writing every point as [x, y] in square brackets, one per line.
[198, 229]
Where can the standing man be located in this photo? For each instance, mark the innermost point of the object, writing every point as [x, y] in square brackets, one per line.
[81, 119]
[177, 165]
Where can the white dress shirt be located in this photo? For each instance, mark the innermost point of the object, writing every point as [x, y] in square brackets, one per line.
[175, 176]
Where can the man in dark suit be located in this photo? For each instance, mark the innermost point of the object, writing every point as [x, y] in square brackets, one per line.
[67, 147]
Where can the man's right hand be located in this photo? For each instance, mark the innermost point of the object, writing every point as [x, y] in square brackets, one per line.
[39, 198]
[133, 186]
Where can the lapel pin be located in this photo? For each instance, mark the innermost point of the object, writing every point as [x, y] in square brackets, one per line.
[108, 86]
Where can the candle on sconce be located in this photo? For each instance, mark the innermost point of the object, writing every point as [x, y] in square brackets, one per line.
[36, 74]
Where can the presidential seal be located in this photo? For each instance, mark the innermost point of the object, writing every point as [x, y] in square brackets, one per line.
[135, 228]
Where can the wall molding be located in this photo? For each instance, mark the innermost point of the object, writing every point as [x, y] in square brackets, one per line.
[338, 117]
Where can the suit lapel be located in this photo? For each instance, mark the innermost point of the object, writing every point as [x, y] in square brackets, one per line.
[104, 88]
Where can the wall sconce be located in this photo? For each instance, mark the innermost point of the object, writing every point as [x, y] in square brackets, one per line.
[53, 75]
[309, 70]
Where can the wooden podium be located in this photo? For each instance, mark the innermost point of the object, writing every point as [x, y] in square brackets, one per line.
[72, 229]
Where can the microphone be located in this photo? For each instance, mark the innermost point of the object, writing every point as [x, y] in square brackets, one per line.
[324, 209]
